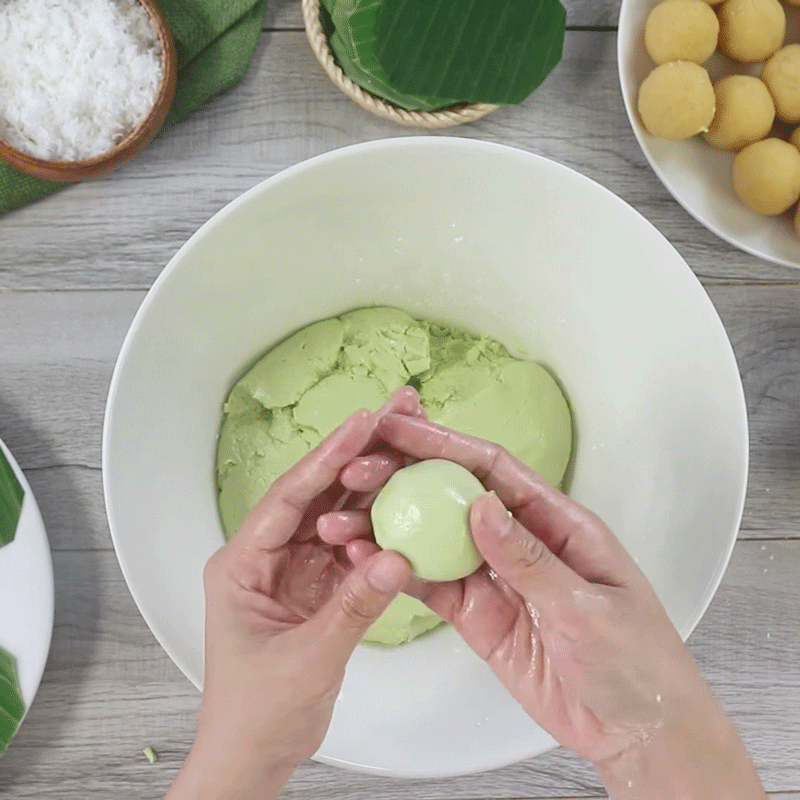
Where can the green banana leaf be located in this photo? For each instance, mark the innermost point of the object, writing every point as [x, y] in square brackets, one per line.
[12, 708]
[481, 51]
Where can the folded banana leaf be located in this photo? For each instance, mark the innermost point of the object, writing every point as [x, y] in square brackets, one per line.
[481, 51]
[12, 708]
[11, 494]
[353, 44]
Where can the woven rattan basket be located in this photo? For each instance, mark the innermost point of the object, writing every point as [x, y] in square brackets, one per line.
[442, 118]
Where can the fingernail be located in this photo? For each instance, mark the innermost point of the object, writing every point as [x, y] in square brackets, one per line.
[387, 574]
[346, 424]
[325, 521]
[495, 515]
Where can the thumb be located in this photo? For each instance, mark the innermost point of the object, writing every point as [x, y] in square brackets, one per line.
[521, 559]
[359, 600]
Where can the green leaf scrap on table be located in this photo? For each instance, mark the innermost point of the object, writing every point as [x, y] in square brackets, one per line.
[353, 44]
[11, 494]
[12, 708]
[416, 53]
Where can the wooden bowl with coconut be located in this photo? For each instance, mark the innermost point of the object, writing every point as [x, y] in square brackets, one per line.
[85, 87]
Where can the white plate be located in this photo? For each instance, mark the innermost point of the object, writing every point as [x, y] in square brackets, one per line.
[26, 592]
[696, 174]
[495, 239]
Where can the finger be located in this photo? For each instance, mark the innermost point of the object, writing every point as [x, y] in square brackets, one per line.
[279, 513]
[360, 550]
[275, 518]
[369, 473]
[403, 400]
[340, 527]
[523, 560]
[360, 599]
[482, 607]
[568, 529]
[335, 496]
[513, 481]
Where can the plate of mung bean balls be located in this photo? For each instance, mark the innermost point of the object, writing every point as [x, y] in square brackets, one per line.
[712, 91]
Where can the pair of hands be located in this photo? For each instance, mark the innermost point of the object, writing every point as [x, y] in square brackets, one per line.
[560, 612]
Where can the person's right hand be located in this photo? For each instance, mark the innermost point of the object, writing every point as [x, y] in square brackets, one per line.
[571, 627]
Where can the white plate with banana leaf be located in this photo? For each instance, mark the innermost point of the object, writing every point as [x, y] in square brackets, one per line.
[26, 597]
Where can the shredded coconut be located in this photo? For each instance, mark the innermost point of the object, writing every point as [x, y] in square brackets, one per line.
[76, 77]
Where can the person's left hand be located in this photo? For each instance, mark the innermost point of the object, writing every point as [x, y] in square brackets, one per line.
[284, 612]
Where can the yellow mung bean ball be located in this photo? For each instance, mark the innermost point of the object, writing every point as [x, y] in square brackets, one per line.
[766, 176]
[751, 30]
[744, 114]
[781, 74]
[795, 137]
[676, 100]
[681, 30]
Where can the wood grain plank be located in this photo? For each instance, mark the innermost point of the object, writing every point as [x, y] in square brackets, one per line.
[764, 328]
[71, 501]
[57, 352]
[109, 690]
[285, 15]
[286, 111]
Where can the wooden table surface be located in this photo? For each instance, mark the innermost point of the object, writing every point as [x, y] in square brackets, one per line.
[74, 268]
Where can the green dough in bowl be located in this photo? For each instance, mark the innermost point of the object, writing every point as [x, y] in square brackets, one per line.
[404, 620]
[423, 513]
[516, 404]
[301, 389]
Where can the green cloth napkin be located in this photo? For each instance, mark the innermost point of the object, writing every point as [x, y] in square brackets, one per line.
[214, 39]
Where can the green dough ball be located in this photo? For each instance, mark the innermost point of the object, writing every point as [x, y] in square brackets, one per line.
[423, 513]
[404, 620]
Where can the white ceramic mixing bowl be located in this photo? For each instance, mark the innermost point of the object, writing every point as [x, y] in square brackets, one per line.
[497, 240]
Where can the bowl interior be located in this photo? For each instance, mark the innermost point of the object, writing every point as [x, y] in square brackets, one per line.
[696, 174]
[499, 241]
